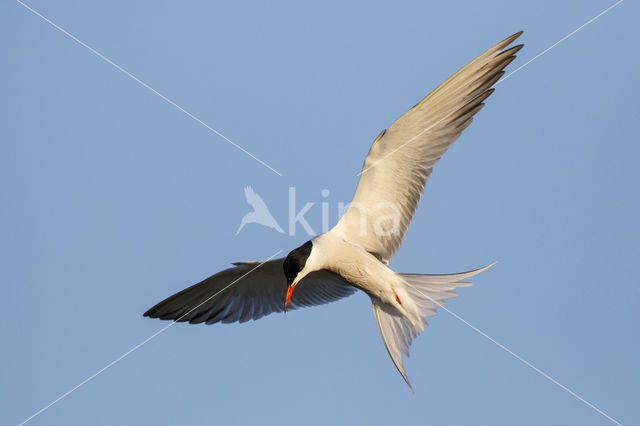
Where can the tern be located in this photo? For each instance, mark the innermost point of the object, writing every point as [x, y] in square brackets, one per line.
[355, 253]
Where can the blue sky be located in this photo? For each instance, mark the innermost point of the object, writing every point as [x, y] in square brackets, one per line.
[113, 199]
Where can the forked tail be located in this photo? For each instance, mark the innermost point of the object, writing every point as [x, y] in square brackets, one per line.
[429, 293]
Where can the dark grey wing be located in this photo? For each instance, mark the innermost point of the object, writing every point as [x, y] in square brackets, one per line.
[249, 290]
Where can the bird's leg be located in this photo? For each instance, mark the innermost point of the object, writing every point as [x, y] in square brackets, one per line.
[396, 295]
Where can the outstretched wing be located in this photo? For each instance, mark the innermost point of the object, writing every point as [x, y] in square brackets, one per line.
[402, 157]
[249, 290]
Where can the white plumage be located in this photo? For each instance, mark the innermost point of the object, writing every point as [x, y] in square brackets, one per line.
[356, 252]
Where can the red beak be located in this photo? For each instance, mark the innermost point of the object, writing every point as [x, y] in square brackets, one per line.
[289, 293]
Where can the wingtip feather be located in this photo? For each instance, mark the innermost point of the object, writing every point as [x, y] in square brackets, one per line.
[507, 41]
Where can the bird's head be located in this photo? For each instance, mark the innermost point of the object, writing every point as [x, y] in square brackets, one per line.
[296, 267]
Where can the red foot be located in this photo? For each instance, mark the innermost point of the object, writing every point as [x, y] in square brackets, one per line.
[397, 298]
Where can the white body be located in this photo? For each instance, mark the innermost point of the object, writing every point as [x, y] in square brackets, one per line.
[356, 252]
[333, 252]
[401, 302]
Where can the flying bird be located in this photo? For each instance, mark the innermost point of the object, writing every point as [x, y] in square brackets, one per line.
[354, 255]
[260, 213]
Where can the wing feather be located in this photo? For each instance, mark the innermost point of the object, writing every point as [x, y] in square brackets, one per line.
[402, 158]
[240, 294]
